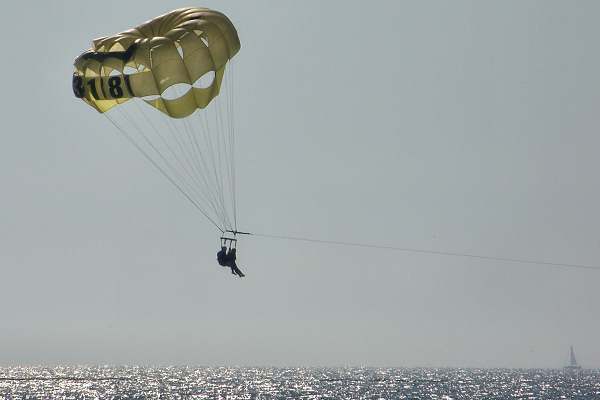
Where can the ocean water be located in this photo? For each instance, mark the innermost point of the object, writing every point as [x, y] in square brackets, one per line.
[104, 382]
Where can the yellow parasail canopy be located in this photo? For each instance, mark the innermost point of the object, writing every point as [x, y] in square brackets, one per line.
[179, 47]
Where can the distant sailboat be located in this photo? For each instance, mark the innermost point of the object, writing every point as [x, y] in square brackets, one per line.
[573, 366]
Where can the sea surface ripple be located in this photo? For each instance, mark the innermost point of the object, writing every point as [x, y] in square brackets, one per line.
[105, 382]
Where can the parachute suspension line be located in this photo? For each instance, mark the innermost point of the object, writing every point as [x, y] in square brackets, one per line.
[172, 144]
[216, 157]
[135, 127]
[176, 158]
[220, 148]
[211, 152]
[215, 196]
[182, 165]
[202, 166]
[231, 103]
[161, 170]
[189, 175]
[182, 184]
[200, 176]
[194, 156]
[194, 145]
[225, 142]
[433, 252]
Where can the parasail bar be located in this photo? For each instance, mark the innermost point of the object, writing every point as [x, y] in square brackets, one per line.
[239, 232]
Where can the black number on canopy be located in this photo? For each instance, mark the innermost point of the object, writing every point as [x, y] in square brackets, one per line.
[78, 89]
[92, 84]
[114, 87]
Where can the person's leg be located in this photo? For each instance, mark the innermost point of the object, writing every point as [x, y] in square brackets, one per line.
[237, 270]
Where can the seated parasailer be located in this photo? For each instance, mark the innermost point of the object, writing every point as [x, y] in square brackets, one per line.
[227, 257]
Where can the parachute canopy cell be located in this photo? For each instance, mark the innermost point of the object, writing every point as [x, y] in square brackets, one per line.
[181, 47]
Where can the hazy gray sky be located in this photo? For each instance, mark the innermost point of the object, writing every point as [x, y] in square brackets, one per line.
[464, 126]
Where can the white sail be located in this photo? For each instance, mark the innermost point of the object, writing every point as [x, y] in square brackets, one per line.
[572, 358]
[573, 366]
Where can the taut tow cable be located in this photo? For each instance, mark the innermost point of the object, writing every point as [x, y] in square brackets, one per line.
[432, 252]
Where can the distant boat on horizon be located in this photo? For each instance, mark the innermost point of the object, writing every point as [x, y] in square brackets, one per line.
[573, 366]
